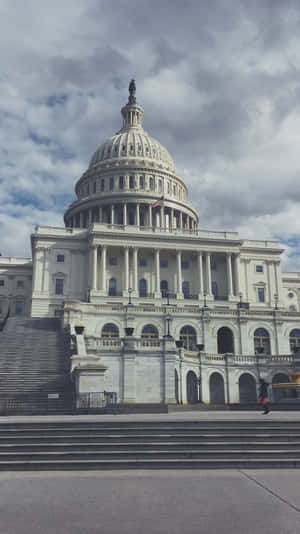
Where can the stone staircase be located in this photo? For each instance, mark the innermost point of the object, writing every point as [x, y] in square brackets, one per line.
[219, 444]
[34, 363]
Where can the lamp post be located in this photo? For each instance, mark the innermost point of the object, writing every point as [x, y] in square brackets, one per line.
[276, 298]
[168, 319]
[200, 348]
[168, 298]
[130, 290]
[179, 344]
[204, 305]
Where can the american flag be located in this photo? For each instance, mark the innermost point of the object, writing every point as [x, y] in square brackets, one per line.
[159, 202]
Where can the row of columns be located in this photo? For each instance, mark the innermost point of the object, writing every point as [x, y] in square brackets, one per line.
[160, 217]
[204, 282]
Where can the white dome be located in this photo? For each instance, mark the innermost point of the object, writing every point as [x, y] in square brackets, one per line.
[133, 143]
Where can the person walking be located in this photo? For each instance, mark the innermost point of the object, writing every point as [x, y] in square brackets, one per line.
[263, 395]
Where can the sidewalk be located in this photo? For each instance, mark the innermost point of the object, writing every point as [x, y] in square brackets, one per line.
[173, 416]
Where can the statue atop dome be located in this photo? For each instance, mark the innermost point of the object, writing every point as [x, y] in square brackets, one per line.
[132, 90]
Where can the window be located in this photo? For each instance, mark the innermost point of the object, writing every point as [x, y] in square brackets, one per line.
[213, 266]
[95, 187]
[102, 184]
[295, 340]
[60, 258]
[131, 182]
[261, 294]
[121, 182]
[292, 308]
[2, 282]
[143, 262]
[143, 287]
[19, 307]
[142, 182]
[185, 264]
[20, 283]
[131, 218]
[112, 287]
[0, 307]
[164, 288]
[259, 269]
[110, 330]
[291, 295]
[150, 331]
[261, 341]
[131, 147]
[59, 286]
[164, 264]
[188, 337]
[151, 183]
[88, 189]
[112, 260]
[168, 187]
[160, 186]
[111, 184]
[186, 289]
[58, 313]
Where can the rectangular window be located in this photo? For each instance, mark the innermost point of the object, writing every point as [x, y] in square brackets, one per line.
[259, 269]
[111, 184]
[60, 258]
[112, 260]
[1, 282]
[214, 289]
[142, 181]
[143, 262]
[20, 283]
[59, 286]
[121, 182]
[151, 183]
[131, 182]
[213, 267]
[261, 294]
[19, 307]
[164, 264]
[160, 186]
[184, 264]
[102, 184]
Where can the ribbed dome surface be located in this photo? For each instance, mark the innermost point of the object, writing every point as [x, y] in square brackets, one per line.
[133, 143]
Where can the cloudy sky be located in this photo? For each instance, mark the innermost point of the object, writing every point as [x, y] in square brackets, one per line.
[220, 84]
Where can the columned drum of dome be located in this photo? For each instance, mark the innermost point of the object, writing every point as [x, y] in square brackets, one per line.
[127, 176]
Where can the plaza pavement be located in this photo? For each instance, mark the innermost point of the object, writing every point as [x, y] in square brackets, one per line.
[158, 502]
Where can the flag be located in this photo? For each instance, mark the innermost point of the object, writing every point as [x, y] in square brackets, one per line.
[159, 202]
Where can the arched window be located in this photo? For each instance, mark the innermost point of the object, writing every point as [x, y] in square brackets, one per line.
[112, 287]
[164, 288]
[225, 340]
[150, 331]
[110, 330]
[295, 340]
[188, 337]
[186, 289]
[261, 341]
[143, 287]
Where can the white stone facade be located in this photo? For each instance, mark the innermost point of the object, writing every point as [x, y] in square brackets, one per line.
[123, 261]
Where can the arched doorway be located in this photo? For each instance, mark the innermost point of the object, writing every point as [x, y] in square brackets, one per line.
[225, 340]
[216, 389]
[282, 394]
[176, 387]
[191, 388]
[247, 389]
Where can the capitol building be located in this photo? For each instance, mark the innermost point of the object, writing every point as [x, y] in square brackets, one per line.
[157, 310]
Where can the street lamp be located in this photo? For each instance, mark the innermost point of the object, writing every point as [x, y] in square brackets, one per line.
[168, 298]
[200, 347]
[276, 298]
[205, 305]
[130, 290]
[168, 319]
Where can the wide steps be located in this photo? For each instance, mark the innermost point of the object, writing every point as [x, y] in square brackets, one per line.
[149, 445]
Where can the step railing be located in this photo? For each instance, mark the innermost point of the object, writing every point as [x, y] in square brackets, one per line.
[95, 400]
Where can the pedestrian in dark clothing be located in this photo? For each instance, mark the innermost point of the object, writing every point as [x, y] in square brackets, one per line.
[263, 395]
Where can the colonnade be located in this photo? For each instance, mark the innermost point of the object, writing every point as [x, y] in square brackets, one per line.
[137, 214]
[131, 266]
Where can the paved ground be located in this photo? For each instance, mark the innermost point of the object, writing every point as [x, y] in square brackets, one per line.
[152, 502]
[158, 502]
[173, 416]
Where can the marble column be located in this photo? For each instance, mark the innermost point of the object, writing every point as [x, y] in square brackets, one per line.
[135, 270]
[157, 274]
[200, 273]
[229, 275]
[237, 274]
[103, 267]
[208, 275]
[112, 214]
[90, 216]
[179, 273]
[150, 215]
[126, 272]
[162, 217]
[100, 214]
[95, 267]
[125, 214]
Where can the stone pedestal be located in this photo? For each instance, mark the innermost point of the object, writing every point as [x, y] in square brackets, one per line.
[169, 370]
[129, 370]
